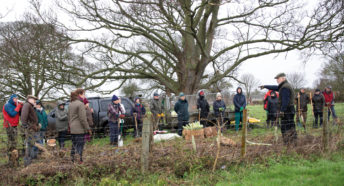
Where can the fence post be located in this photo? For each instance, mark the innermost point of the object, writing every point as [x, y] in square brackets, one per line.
[244, 132]
[146, 135]
[325, 130]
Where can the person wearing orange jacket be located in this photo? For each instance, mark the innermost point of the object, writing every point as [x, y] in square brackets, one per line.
[11, 113]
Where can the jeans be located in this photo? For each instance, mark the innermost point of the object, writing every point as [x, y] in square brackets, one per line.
[78, 143]
[181, 123]
[331, 110]
[62, 138]
[238, 118]
[318, 115]
[114, 132]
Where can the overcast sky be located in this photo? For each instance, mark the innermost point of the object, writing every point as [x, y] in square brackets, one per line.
[263, 68]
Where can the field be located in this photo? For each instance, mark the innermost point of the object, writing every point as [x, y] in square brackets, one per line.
[175, 163]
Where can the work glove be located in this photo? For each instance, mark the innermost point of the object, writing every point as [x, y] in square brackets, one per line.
[162, 115]
[241, 109]
[261, 87]
[19, 107]
[281, 114]
[221, 109]
[122, 116]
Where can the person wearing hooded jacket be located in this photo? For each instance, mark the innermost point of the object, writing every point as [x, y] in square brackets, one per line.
[203, 107]
[42, 121]
[61, 123]
[272, 108]
[139, 112]
[219, 107]
[182, 109]
[329, 103]
[11, 112]
[318, 108]
[239, 102]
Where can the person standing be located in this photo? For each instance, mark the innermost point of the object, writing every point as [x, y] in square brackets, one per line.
[78, 123]
[329, 103]
[219, 107]
[29, 121]
[89, 116]
[239, 102]
[203, 108]
[318, 107]
[272, 108]
[138, 112]
[42, 121]
[114, 114]
[11, 114]
[301, 101]
[286, 108]
[182, 109]
[156, 109]
[61, 123]
[265, 101]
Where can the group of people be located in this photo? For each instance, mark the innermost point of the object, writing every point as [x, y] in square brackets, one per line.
[34, 124]
[282, 102]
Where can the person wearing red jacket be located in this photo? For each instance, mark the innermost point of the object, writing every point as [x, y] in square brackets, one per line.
[267, 96]
[329, 103]
[11, 114]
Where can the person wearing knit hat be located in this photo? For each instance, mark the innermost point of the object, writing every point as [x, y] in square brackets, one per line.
[318, 101]
[156, 109]
[203, 108]
[182, 109]
[219, 107]
[138, 112]
[114, 114]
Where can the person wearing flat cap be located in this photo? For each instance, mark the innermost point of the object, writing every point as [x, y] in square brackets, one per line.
[286, 107]
[156, 109]
[29, 121]
[182, 109]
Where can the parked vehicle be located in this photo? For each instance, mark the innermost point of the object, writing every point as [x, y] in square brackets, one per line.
[100, 119]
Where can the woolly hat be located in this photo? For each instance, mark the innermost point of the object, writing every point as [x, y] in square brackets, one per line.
[181, 94]
[114, 98]
[156, 94]
[201, 93]
[38, 102]
[317, 90]
[218, 94]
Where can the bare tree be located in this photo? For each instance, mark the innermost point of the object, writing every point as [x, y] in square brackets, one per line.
[130, 90]
[36, 60]
[174, 42]
[297, 80]
[250, 83]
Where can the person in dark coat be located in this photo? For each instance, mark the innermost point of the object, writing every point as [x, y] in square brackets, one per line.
[219, 107]
[286, 108]
[272, 108]
[61, 114]
[11, 114]
[114, 114]
[318, 107]
[239, 102]
[203, 107]
[304, 99]
[30, 124]
[182, 109]
[138, 112]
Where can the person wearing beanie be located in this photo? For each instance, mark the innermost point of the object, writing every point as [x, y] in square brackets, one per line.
[239, 102]
[318, 108]
[203, 108]
[302, 100]
[329, 103]
[219, 107]
[182, 109]
[10, 112]
[156, 109]
[42, 122]
[114, 114]
[61, 123]
[138, 113]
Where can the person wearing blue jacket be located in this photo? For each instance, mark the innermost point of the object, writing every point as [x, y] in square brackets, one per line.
[138, 112]
[219, 107]
[239, 102]
[182, 109]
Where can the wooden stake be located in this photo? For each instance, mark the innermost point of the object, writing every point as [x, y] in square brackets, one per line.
[244, 132]
[325, 131]
[145, 146]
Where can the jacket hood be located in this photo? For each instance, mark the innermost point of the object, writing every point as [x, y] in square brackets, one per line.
[274, 94]
[10, 101]
[238, 89]
[60, 102]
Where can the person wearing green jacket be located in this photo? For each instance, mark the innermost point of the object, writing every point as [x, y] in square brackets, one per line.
[42, 121]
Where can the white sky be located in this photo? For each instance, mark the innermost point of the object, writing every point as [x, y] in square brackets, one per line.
[263, 68]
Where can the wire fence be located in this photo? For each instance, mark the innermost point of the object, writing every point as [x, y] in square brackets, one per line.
[220, 142]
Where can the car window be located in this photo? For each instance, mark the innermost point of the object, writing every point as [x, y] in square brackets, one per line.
[127, 105]
[104, 105]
